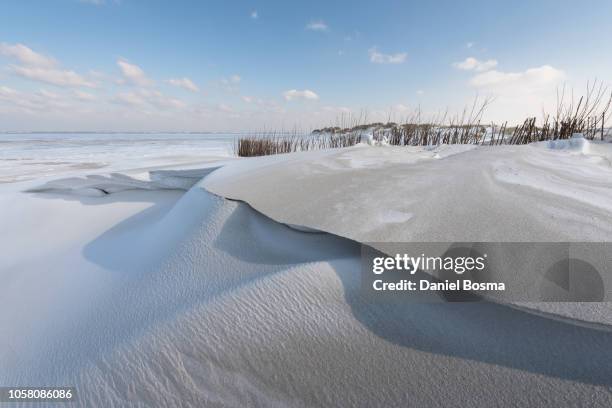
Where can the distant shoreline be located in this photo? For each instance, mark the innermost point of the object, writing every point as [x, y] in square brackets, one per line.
[157, 132]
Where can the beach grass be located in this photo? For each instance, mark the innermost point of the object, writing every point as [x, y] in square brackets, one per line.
[585, 115]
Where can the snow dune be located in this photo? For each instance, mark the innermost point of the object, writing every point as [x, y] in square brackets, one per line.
[500, 194]
[532, 193]
[158, 292]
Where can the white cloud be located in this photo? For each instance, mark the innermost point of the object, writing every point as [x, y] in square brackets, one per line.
[530, 78]
[469, 45]
[133, 73]
[420, 92]
[184, 83]
[318, 25]
[380, 58]
[519, 94]
[52, 76]
[306, 94]
[41, 68]
[27, 56]
[146, 98]
[254, 15]
[472, 64]
[36, 103]
[144, 109]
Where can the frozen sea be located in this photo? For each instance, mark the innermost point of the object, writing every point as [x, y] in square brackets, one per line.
[26, 156]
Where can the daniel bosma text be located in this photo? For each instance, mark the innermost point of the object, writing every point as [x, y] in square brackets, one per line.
[425, 285]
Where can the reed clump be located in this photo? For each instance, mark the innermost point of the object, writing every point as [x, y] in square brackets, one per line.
[586, 115]
[277, 143]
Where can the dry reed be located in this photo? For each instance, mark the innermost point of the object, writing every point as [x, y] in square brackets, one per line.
[586, 116]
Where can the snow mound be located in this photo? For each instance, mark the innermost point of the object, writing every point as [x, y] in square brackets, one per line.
[100, 185]
[460, 193]
[469, 194]
[368, 139]
[152, 296]
[576, 143]
[205, 302]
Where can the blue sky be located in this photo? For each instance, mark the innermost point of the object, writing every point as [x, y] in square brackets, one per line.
[233, 65]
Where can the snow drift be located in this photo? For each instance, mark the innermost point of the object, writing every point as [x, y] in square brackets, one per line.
[150, 295]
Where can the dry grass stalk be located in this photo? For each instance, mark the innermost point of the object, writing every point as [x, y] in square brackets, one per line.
[587, 116]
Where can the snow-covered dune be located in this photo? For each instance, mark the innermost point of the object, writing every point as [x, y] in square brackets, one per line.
[446, 194]
[158, 292]
[545, 192]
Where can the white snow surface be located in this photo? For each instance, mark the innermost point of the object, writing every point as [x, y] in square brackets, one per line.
[530, 193]
[150, 290]
[38, 156]
[460, 193]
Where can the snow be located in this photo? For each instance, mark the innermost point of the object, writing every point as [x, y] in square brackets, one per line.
[577, 143]
[38, 155]
[479, 194]
[368, 139]
[98, 185]
[143, 286]
[471, 194]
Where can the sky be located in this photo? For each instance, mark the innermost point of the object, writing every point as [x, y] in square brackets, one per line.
[149, 65]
